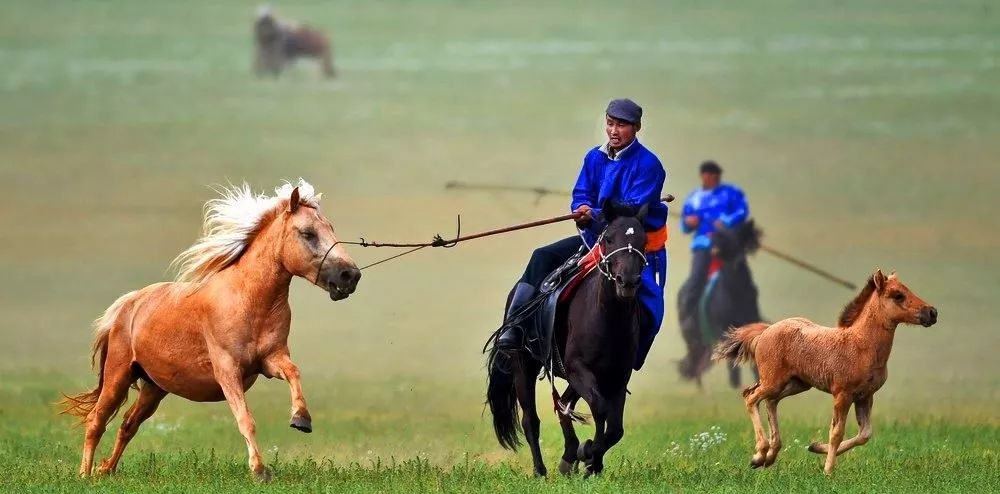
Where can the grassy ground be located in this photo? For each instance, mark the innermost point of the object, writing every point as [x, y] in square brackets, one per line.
[865, 135]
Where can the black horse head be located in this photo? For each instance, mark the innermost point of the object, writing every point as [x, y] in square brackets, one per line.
[623, 244]
[733, 243]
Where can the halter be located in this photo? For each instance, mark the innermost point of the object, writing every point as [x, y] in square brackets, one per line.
[602, 265]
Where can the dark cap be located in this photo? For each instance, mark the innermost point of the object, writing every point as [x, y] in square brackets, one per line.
[710, 167]
[625, 109]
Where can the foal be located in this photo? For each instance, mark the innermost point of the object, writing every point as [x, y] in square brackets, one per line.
[849, 362]
[207, 336]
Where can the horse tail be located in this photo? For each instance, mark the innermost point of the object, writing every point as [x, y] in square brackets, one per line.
[502, 399]
[81, 404]
[737, 345]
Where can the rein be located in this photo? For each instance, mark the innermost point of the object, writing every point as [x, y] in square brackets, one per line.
[439, 241]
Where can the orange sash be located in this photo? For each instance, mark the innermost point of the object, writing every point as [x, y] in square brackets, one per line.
[657, 240]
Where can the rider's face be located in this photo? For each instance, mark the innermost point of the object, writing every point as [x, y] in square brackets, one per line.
[620, 133]
[710, 180]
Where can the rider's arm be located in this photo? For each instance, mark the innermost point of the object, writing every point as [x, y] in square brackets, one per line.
[646, 187]
[737, 208]
[585, 191]
[688, 211]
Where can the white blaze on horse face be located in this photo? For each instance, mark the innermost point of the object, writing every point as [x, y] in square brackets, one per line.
[630, 231]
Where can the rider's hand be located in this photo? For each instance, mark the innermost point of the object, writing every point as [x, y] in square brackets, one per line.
[719, 225]
[586, 215]
[692, 220]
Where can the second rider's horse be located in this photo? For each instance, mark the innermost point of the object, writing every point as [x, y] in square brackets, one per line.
[596, 333]
[225, 321]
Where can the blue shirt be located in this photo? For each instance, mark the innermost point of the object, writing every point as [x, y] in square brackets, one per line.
[633, 176]
[725, 203]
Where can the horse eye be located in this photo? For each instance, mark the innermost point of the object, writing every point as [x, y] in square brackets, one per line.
[898, 297]
[308, 234]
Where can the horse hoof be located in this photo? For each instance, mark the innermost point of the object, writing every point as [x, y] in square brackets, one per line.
[756, 462]
[541, 474]
[568, 468]
[303, 424]
[584, 450]
[814, 448]
[263, 476]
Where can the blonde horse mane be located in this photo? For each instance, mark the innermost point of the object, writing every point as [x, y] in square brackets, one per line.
[231, 223]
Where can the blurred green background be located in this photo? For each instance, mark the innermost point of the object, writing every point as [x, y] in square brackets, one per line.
[865, 135]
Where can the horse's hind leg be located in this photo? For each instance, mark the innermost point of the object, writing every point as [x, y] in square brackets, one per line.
[117, 377]
[752, 397]
[775, 439]
[525, 370]
[568, 463]
[145, 405]
[281, 366]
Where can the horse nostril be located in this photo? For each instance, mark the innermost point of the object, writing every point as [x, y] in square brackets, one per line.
[350, 276]
[933, 313]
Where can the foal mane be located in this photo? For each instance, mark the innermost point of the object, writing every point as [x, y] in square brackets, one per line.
[853, 309]
[231, 223]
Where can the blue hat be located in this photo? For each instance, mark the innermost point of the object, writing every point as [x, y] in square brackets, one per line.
[625, 109]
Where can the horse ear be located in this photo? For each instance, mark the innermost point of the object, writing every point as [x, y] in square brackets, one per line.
[293, 201]
[879, 279]
[643, 212]
[608, 210]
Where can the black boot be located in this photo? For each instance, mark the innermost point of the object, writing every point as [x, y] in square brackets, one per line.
[513, 337]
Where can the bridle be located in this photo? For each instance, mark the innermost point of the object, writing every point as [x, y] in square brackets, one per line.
[603, 265]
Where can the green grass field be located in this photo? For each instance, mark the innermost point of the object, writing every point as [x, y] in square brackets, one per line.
[866, 134]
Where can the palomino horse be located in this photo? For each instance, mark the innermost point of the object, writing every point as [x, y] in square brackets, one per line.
[597, 334]
[731, 302]
[848, 361]
[207, 336]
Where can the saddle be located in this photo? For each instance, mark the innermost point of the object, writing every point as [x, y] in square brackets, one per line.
[538, 317]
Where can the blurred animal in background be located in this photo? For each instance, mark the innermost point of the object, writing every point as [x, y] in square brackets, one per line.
[278, 43]
[848, 361]
[728, 300]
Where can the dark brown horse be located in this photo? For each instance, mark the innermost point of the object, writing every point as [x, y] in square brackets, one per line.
[596, 333]
[731, 302]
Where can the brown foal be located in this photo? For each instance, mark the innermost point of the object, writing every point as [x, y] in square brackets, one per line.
[207, 336]
[848, 361]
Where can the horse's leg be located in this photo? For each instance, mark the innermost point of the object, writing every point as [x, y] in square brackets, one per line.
[841, 406]
[775, 439]
[145, 405]
[752, 397]
[585, 383]
[862, 411]
[280, 365]
[230, 379]
[117, 377]
[568, 463]
[525, 370]
[614, 430]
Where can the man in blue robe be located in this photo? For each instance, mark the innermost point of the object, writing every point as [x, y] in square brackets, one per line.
[708, 208]
[624, 171]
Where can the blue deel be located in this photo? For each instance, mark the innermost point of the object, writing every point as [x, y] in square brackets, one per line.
[725, 203]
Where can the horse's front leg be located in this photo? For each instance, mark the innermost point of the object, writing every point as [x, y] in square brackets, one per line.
[230, 379]
[863, 412]
[613, 432]
[585, 383]
[569, 462]
[841, 405]
[525, 371]
[280, 365]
